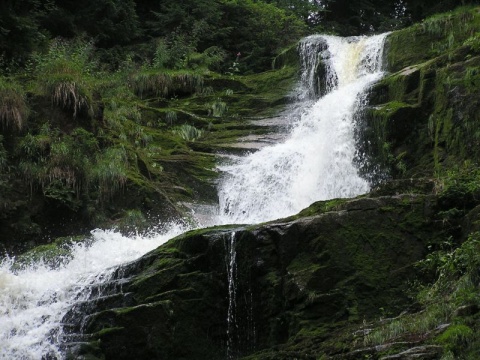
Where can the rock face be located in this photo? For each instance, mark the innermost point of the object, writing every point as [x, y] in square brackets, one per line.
[274, 291]
[423, 116]
[301, 288]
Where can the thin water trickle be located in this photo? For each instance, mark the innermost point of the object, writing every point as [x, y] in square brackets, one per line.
[231, 262]
[313, 163]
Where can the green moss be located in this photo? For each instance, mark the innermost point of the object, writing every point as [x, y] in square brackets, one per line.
[423, 118]
[88, 351]
[441, 34]
[108, 331]
[320, 207]
[54, 254]
[455, 336]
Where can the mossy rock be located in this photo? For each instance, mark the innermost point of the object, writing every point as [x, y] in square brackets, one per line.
[297, 283]
[53, 255]
[422, 118]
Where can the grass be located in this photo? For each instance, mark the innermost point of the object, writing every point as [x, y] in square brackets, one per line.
[110, 171]
[93, 133]
[438, 35]
[68, 94]
[413, 326]
[218, 108]
[188, 132]
[166, 83]
[171, 117]
[65, 74]
[455, 287]
[13, 107]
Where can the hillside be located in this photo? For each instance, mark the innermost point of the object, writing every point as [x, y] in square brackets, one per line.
[112, 111]
[389, 275]
[392, 274]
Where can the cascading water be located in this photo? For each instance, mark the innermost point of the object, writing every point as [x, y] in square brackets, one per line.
[314, 163]
[33, 301]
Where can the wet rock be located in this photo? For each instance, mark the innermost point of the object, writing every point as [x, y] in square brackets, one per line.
[293, 282]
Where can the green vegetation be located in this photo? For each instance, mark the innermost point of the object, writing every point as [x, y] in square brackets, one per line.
[13, 106]
[103, 142]
[450, 303]
[173, 34]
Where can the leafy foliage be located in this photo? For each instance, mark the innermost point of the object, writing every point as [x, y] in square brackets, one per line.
[21, 30]
[109, 173]
[460, 187]
[218, 108]
[257, 30]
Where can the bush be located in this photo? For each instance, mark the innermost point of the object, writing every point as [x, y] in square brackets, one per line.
[188, 132]
[13, 107]
[65, 74]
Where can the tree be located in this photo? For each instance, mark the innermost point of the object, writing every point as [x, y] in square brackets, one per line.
[346, 17]
[20, 30]
[108, 22]
[258, 31]
[304, 9]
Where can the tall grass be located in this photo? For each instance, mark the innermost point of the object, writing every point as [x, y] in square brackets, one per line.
[13, 107]
[218, 108]
[164, 83]
[451, 29]
[117, 113]
[69, 94]
[171, 117]
[62, 165]
[109, 173]
[456, 286]
[139, 136]
[65, 74]
[188, 132]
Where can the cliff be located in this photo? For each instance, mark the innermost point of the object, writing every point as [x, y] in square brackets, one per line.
[390, 275]
[281, 290]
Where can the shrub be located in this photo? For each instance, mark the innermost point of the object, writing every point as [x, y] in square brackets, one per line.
[13, 107]
[218, 108]
[188, 132]
[109, 173]
[166, 83]
[65, 75]
[66, 166]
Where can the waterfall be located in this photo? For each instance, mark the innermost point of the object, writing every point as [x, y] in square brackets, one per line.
[313, 163]
[316, 161]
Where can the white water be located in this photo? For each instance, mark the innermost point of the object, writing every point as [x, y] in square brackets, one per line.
[314, 163]
[34, 301]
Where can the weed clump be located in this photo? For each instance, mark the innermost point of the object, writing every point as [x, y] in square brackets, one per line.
[13, 107]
